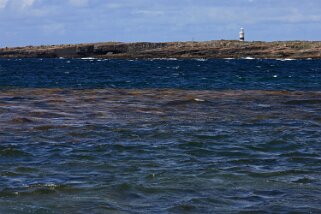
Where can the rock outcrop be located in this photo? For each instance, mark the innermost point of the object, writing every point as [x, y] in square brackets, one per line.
[208, 49]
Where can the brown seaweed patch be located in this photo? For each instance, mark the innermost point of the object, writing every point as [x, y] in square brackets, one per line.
[48, 127]
[56, 101]
[46, 114]
[97, 115]
[149, 110]
[38, 189]
[186, 102]
[22, 169]
[303, 102]
[12, 152]
[20, 120]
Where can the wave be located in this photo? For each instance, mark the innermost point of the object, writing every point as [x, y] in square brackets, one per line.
[88, 58]
[287, 59]
[201, 60]
[166, 59]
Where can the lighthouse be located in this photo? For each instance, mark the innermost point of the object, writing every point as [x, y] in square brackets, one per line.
[242, 35]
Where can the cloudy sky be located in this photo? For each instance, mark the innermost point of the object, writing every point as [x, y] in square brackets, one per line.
[35, 22]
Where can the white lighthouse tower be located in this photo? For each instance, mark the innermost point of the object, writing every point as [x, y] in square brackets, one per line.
[242, 35]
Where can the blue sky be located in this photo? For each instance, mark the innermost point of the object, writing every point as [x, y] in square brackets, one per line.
[35, 22]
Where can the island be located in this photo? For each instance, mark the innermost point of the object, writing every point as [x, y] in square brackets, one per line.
[206, 49]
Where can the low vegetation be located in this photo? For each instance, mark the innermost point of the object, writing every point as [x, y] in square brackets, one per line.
[207, 49]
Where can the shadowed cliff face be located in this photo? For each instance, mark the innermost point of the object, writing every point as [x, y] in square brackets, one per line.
[209, 49]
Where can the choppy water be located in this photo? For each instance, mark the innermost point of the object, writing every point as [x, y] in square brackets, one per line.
[160, 136]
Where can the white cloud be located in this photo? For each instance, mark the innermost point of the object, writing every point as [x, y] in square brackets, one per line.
[159, 20]
[3, 3]
[26, 3]
[79, 3]
[114, 6]
[16, 4]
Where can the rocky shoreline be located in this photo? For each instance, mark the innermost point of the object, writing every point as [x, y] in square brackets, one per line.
[208, 49]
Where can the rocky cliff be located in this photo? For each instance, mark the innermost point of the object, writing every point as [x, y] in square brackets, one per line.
[209, 49]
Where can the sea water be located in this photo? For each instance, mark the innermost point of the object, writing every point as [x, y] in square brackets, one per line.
[160, 136]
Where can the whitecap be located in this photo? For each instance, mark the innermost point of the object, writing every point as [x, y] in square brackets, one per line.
[248, 57]
[287, 59]
[264, 105]
[201, 60]
[167, 59]
[199, 100]
[88, 58]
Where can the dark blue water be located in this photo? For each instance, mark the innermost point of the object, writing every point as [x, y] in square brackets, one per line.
[160, 136]
[183, 74]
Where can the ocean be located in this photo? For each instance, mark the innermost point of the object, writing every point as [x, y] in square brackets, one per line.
[160, 136]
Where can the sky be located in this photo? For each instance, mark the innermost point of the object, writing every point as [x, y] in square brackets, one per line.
[43, 22]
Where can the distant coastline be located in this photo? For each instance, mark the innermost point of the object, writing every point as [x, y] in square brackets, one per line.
[207, 49]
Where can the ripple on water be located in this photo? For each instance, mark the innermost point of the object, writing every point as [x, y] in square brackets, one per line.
[38, 189]
[20, 120]
[276, 146]
[122, 150]
[303, 102]
[12, 152]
